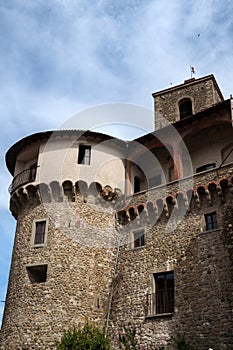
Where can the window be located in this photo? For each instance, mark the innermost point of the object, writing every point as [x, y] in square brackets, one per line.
[32, 173]
[39, 232]
[162, 301]
[84, 155]
[211, 221]
[185, 107]
[205, 167]
[37, 274]
[137, 184]
[139, 238]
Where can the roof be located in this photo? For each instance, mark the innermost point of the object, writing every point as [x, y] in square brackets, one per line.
[14, 150]
[189, 82]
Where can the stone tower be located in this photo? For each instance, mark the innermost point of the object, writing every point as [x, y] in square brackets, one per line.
[64, 249]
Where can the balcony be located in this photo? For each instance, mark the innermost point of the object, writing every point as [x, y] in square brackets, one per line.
[26, 176]
[160, 303]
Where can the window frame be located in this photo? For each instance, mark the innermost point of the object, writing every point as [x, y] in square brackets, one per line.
[84, 159]
[34, 232]
[161, 305]
[140, 239]
[211, 221]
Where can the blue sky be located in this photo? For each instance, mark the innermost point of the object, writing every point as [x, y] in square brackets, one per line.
[60, 57]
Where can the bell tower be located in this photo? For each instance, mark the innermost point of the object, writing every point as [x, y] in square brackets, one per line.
[182, 101]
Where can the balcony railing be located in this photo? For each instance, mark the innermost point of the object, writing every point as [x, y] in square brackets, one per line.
[26, 176]
[160, 303]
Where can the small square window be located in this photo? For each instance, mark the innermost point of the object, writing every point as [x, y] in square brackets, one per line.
[39, 232]
[84, 155]
[139, 238]
[211, 221]
[37, 274]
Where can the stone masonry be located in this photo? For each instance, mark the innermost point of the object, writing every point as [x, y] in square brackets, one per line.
[174, 271]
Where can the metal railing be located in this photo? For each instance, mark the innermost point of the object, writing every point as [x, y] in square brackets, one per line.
[160, 303]
[26, 176]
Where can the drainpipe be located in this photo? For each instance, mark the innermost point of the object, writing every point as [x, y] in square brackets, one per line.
[114, 272]
[117, 227]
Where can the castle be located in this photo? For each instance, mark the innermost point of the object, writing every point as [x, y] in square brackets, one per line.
[136, 232]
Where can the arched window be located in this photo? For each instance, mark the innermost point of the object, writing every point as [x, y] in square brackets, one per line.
[185, 107]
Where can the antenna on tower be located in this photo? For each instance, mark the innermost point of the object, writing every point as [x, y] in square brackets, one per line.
[192, 70]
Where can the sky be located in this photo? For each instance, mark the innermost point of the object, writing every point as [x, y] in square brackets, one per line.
[60, 57]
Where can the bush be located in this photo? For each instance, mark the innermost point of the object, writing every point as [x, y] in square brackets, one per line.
[128, 339]
[180, 343]
[90, 337]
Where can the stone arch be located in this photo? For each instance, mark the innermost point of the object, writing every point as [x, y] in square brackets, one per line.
[67, 186]
[170, 202]
[81, 188]
[123, 217]
[223, 183]
[22, 195]
[44, 191]
[160, 206]
[107, 192]
[95, 188]
[56, 191]
[132, 213]
[189, 195]
[140, 208]
[151, 210]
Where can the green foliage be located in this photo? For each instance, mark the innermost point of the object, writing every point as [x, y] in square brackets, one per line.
[179, 343]
[90, 337]
[128, 339]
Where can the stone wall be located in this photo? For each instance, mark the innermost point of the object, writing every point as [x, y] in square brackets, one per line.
[202, 264]
[80, 254]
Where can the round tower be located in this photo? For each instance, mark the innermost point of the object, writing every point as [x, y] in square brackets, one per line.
[64, 193]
